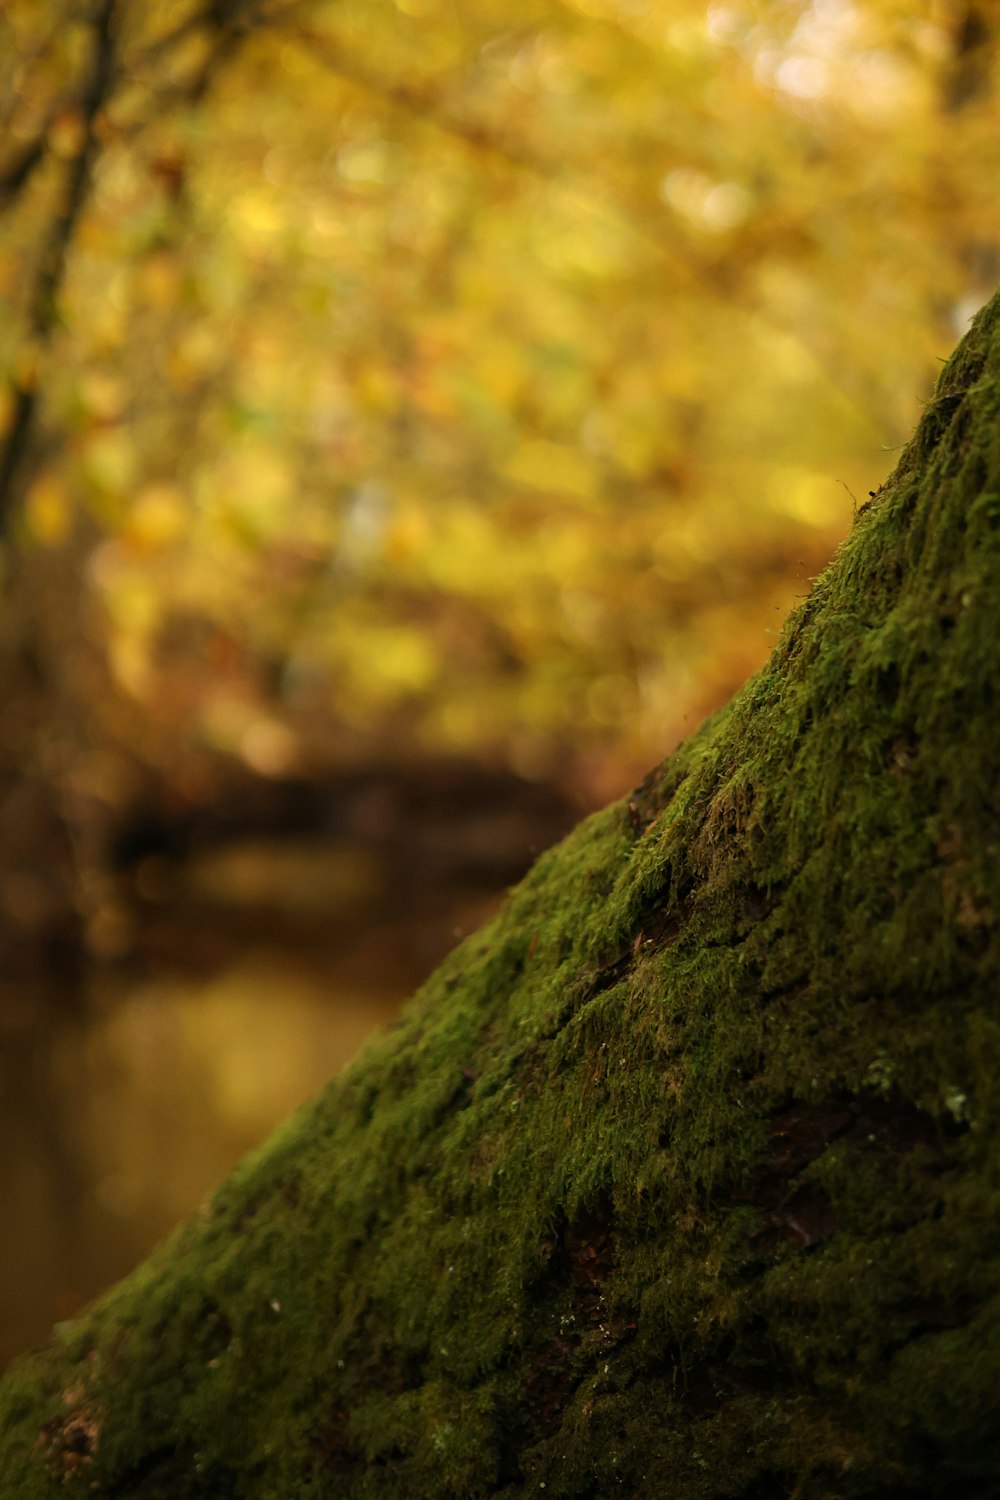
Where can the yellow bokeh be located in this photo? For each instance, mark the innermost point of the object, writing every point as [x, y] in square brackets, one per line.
[48, 511]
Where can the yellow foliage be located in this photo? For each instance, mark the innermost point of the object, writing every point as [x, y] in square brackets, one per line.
[396, 659]
[815, 499]
[47, 510]
[103, 395]
[554, 468]
[196, 354]
[409, 533]
[269, 747]
[257, 218]
[111, 461]
[510, 368]
[160, 278]
[66, 134]
[158, 517]
[128, 657]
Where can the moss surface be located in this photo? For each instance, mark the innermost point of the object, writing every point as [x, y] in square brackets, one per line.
[680, 1178]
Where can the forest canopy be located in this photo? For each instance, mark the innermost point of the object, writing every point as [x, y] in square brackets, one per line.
[490, 375]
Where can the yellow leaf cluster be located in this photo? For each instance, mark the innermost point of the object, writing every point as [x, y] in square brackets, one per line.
[511, 369]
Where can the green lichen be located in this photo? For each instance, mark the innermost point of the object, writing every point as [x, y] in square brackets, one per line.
[681, 1178]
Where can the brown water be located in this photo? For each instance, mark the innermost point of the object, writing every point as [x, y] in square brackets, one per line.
[255, 969]
[118, 1116]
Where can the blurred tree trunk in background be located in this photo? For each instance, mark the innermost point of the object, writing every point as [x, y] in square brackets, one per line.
[679, 1179]
[59, 895]
[86, 792]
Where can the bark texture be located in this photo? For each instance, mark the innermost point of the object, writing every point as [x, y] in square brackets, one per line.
[681, 1178]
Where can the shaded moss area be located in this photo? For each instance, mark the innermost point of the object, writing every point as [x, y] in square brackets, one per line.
[682, 1177]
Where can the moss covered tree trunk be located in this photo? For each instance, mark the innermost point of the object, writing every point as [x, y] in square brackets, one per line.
[681, 1178]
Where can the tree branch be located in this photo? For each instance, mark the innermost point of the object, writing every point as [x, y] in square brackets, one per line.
[52, 261]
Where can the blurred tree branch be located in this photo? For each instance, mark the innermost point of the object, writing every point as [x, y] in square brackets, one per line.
[421, 102]
[228, 22]
[42, 314]
[18, 172]
[629, 207]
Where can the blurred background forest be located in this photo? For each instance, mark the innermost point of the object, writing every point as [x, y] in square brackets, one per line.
[416, 415]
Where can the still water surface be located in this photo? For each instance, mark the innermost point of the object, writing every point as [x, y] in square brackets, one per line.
[258, 970]
[119, 1114]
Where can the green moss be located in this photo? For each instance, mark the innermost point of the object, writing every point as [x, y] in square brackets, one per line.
[679, 1179]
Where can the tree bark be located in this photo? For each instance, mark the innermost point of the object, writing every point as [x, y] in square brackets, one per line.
[680, 1178]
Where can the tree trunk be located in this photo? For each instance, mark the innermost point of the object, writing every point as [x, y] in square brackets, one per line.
[680, 1178]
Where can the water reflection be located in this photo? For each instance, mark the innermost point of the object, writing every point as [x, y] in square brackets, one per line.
[121, 1113]
[257, 946]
